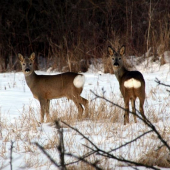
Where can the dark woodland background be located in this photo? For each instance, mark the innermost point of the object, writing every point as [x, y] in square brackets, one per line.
[70, 32]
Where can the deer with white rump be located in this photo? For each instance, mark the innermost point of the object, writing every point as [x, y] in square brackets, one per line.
[47, 87]
[132, 83]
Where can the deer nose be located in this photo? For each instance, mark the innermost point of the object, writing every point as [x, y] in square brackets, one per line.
[116, 64]
[27, 70]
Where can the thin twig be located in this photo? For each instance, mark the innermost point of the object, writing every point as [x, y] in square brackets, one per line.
[160, 83]
[76, 130]
[48, 156]
[84, 156]
[127, 143]
[94, 165]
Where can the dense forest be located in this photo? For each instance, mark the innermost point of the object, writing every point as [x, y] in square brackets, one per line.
[66, 32]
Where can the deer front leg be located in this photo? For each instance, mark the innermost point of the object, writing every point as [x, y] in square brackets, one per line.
[42, 111]
[44, 103]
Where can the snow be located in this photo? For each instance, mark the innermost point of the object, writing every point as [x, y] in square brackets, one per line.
[19, 110]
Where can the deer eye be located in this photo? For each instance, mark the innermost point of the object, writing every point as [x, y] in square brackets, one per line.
[113, 59]
[23, 64]
[30, 64]
[119, 58]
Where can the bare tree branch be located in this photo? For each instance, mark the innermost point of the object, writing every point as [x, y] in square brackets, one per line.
[94, 165]
[127, 143]
[96, 150]
[61, 151]
[160, 83]
[84, 156]
[48, 156]
[106, 154]
[146, 121]
[60, 147]
[11, 149]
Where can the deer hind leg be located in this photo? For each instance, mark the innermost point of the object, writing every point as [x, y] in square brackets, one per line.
[79, 102]
[47, 111]
[126, 115]
[141, 108]
[84, 102]
[79, 107]
[133, 109]
[44, 103]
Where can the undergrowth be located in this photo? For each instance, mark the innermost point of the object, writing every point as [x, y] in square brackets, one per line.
[104, 126]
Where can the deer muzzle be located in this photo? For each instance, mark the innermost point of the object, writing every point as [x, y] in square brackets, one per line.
[27, 70]
[116, 64]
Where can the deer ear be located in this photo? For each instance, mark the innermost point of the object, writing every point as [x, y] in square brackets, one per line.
[21, 58]
[110, 50]
[32, 56]
[122, 50]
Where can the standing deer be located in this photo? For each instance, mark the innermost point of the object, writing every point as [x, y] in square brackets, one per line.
[46, 87]
[132, 83]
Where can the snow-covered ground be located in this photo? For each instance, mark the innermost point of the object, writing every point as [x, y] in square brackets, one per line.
[18, 109]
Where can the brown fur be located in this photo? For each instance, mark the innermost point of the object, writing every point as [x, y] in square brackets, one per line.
[122, 75]
[45, 87]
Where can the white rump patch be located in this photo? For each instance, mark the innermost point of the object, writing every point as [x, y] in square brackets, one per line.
[79, 81]
[132, 83]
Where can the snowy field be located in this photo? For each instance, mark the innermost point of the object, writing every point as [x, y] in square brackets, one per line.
[19, 117]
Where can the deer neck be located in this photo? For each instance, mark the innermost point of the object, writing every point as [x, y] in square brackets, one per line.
[119, 73]
[31, 79]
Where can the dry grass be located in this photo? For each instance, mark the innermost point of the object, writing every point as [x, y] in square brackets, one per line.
[104, 126]
[98, 112]
[156, 157]
[25, 130]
